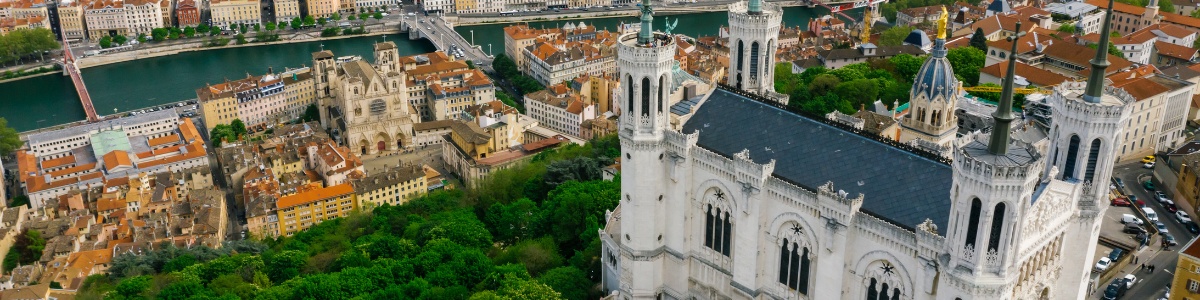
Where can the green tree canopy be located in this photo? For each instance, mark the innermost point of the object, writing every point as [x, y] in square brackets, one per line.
[894, 36]
[10, 139]
[966, 63]
[978, 40]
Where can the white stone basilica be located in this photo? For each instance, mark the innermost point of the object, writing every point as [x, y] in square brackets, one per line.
[744, 200]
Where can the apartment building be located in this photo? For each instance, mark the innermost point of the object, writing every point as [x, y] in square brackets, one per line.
[1186, 280]
[912, 16]
[305, 209]
[187, 13]
[233, 13]
[142, 16]
[518, 37]
[9, 25]
[372, 4]
[286, 10]
[562, 113]
[1128, 19]
[595, 89]
[167, 7]
[393, 186]
[25, 9]
[448, 94]
[554, 62]
[1159, 115]
[1087, 18]
[105, 18]
[336, 165]
[298, 92]
[322, 8]
[70, 16]
[1136, 47]
[477, 6]
[438, 6]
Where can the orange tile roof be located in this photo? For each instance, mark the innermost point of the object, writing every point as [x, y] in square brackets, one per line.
[314, 195]
[1170, 30]
[115, 159]
[1142, 88]
[1176, 51]
[158, 152]
[188, 129]
[163, 140]
[70, 170]
[26, 164]
[195, 150]
[50, 163]
[1033, 75]
[38, 183]
[109, 204]
[1121, 7]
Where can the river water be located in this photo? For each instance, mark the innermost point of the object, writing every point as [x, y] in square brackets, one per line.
[51, 100]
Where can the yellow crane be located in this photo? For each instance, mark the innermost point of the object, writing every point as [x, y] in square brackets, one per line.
[995, 89]
[866, 32]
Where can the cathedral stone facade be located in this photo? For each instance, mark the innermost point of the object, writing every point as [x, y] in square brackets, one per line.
[366, 103]
[745, 200]
[753, 38]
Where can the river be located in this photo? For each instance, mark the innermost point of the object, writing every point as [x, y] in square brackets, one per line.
[51, 100]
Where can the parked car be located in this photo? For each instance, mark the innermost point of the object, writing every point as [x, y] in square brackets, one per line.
[1119, 182]
[1183, 217]
[1148, 159]
[1162, 228]
[1149, 165]
[1149, 185]
[1116, 289]
[1120, 202]
[1150, 214]
[1103, 264]
[1171, 208]
[1129, 280]
[1133, 228]
[1129, 218]
[1139, 203]
[1170, 239]
[1192, 227]
[1115, 254]
[1161, 196]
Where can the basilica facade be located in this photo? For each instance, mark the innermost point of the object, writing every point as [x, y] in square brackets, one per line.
[371, 112]
[745, 200]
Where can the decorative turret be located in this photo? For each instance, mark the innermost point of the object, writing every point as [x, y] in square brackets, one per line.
[646, 35]
[1003, 114]
[934, 96]
[753, 38]
[1100, 63]
[754, 7]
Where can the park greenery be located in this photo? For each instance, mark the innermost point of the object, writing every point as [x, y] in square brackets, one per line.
[27, 249]
[10, 139]
[508, 69]
[26, 43]
[311, 113]
[820, 91]
[223, 133]
[894, 36]
[23, 72]
[528, 232]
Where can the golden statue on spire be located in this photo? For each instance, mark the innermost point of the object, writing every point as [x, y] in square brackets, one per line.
[942, 24]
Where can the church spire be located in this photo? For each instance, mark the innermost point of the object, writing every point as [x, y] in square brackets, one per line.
[1095, 83]
[754, 7]
[647, 33]
[1004, 116]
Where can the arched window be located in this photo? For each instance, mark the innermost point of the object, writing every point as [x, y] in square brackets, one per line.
[973, 222]
[997, 227]
[661, 90]
[883, 291]
[740, 57]
[717, 230]
[1093, 155]
[629, 83]
[794, 266]
[1072, 152]
[872, 294]
[896, 294]
[1001, 54]
[754, 60]
[645, 96]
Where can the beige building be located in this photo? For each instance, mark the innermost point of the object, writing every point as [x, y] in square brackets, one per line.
[143, 16]
[168, 13]
[478, 6]
[25, 9]
[322, 8]
[226, 13]
[298, 91]
[393, 186]
[105, 18]
[70, 16]
[303, 210]
[286, 10]
[1158, 117]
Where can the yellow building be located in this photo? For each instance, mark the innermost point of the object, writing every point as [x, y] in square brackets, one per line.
[218, 105]
[70, 16]
[299, 91]
[286, 10]
[322, 8]
[1186, 284]
[393, 186]
[305, 209]
[227, 13]
[475, 142]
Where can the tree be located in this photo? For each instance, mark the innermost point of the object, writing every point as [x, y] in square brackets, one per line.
[822, 84]
[141, 38]
[296, 23]
[321, 21]
[21, 200]
[907, 65]
[364, 16]
[1068, 28]
[569, 281]
[576, 207]
[120, 39]
[131, 288]
[241, 38]
[1166, 6]
[308, 20]
[377, 16]
[285, 265]
[515, 288]
[1112, 50]
[858, 93]
[243, 29]
[10, 140]
[105, 42]
[239, 128]
[978, 40]
[282, 25]
[189, 31]
[336, 17]
[202, 28]
[174, 32]
[270, 26]
[256, 27]
[215, 30]
[966, 63]
[352, 18]
[55, 285]
[159, 34]
[894, 36]
[312, 113]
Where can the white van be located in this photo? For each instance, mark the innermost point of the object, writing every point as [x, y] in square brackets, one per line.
[1128, 218]
[1153, 217]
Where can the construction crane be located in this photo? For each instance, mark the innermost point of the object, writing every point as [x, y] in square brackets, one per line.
[995, 89]
[866, 32]
[838, 9]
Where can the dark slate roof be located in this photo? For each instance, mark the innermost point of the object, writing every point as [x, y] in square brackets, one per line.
[897, 185]
[999, 6]
[936, 78]
[917, 38]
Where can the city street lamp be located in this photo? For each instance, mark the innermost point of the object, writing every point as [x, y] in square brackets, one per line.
[472, 37]
[490, 50]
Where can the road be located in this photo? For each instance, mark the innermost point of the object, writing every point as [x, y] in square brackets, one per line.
[1149, 285]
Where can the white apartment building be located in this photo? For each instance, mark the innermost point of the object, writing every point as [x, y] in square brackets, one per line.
[438, 6]
[105, 18]
[562, 114]
[1157, 120]
[553, 62]
[143, 16]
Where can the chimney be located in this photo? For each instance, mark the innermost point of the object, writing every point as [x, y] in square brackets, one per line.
[270, 70]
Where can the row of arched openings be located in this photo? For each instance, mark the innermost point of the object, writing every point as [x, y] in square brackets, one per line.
[646, 93]
[1073, 153]
[717, 229]
[997, 224]
[794, 266]
[879, 291]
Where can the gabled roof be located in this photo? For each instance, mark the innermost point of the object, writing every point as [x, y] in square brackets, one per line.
[314, 195]
[1176, 51]
[900, 186]
[1033, 75]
